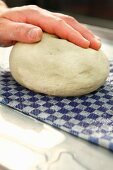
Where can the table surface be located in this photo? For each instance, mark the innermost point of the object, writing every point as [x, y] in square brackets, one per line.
[28, 144]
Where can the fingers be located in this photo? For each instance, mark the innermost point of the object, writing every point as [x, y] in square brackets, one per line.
[10, 32]
[95, 42]
[47, 22]
[63, 26]
[85, 32]
[63, 30]
[57, 26]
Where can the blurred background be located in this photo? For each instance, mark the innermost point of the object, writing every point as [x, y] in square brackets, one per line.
[93, 12]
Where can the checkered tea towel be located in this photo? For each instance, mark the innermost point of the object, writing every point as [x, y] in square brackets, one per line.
[89, 117]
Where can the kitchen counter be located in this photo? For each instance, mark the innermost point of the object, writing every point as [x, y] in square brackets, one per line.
[27, 144]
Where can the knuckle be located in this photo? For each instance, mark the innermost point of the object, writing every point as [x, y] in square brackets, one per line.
[18, 28]
[71, 19]
[32, 7]
[19, 31]
[59, 21]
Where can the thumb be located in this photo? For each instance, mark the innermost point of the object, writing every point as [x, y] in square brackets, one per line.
[26, 33]
[22, 32]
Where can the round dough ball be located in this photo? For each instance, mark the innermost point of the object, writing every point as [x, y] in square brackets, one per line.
[57, 67]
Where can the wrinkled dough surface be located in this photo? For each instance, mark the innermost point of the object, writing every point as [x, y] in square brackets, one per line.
[57, 67]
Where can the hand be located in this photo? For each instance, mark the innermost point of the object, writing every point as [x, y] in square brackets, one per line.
[25, 24]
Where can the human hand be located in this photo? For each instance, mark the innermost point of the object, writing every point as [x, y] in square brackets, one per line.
[25, 24]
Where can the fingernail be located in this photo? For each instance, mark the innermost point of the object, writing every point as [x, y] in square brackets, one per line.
[97, 40]
[98, 43]
[95, 44]
[34, 33]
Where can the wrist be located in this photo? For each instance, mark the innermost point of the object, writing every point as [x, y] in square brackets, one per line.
[3, 6]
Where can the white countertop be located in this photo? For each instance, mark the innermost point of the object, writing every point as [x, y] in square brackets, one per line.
[22, 139]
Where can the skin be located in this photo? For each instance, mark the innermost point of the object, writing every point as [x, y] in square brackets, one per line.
[27, 23]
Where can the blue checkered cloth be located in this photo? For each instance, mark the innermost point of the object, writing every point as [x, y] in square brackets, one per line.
[89, 117]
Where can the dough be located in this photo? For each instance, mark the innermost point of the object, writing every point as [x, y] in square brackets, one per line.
[57, 67]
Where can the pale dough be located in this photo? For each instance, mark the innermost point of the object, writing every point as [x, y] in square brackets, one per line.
[57, 67]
